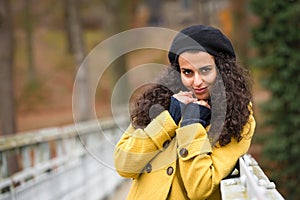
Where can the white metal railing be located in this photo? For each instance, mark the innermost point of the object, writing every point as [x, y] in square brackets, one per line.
[252, 183]
[75, 162]
[70, 162]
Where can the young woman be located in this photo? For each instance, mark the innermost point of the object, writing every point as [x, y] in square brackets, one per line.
[190, 128]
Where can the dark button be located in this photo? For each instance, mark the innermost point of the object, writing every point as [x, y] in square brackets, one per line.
[166, 144]
[170, 171]
[183, 152]
[148, 168]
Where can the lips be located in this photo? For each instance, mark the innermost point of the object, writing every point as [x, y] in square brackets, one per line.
[200, 90]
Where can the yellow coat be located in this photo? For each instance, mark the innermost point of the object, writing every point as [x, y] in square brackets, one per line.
[166, 161]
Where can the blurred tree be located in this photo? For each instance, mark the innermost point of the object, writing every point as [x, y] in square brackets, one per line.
[204, 11]
[6, 69]
[83, 96]
[277, 39]
[28, 23]
[67, 26]
[121, 13]
[240, 34]
[155, 7]
[7, 109]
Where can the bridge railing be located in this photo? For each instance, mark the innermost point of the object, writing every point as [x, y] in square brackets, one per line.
[251, 183]
[70, 162]
[75, 162]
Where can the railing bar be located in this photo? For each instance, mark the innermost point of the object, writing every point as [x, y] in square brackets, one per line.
[49, 134]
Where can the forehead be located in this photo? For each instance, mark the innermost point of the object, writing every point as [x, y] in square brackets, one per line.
[197, 59]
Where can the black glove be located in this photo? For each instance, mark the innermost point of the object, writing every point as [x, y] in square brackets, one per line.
[195, 113]
[175, 109]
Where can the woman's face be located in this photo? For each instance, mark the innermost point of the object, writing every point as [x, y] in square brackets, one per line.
[198, 72]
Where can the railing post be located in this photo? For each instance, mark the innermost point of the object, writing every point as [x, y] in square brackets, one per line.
[252, 184]
[57, 157]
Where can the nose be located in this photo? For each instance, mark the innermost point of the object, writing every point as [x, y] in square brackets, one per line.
[198, 80]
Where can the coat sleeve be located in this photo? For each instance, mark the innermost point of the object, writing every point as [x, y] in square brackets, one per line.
[138, 146]
[201, 167]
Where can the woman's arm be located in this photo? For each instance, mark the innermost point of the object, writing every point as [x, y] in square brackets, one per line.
[201, 167]
[138, 146]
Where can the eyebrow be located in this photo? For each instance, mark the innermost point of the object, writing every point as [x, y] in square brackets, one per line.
[183, 68]
[206, 66]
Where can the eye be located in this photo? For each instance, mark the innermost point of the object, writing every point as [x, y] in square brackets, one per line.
[205, 70]
[186, 72]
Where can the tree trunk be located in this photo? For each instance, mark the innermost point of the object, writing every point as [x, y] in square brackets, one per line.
[29, 42]
[241, 28]
[119, 21]
[83, 96]
[68, 32]
[7, 109]
[6, 69]
[155, 7]
[204, 12]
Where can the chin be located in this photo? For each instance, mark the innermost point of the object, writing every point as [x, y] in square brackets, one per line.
[202, 97]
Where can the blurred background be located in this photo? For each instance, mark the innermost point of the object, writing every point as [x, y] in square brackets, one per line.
[44, 42]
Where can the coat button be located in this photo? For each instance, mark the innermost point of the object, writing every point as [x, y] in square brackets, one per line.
[170, 171]
[183, 152]
[166, 144]
[148, 168]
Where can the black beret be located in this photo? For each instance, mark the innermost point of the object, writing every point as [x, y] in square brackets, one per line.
[200, 37]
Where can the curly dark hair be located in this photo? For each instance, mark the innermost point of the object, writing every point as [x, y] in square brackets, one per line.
[233, 101]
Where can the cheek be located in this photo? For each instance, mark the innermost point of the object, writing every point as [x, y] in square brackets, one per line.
[186, 81]
[210, 79]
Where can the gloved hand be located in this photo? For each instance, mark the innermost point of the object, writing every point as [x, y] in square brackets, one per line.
[175, 109]
[196, 113]
[178, 103]
[185, 105]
